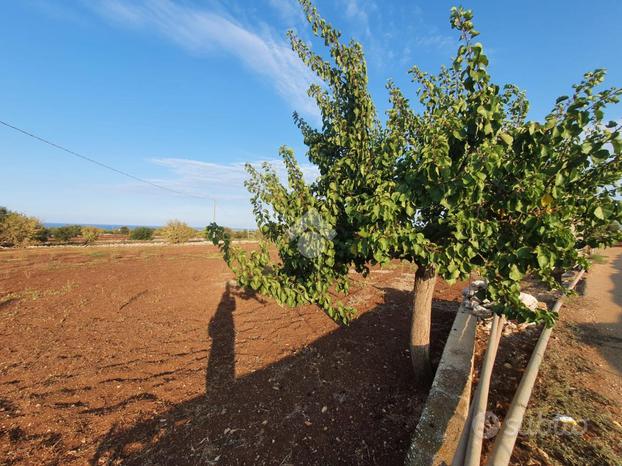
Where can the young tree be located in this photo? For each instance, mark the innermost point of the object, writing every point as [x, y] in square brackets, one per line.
[90, 234]
[464, 184]
[177, 232]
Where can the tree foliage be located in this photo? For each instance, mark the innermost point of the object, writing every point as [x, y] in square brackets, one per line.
[142, 233]
[177, 232]
[460, 182]
[66, 232]
[17, 229]
[90, 234]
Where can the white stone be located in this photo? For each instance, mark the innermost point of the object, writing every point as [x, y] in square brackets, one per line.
[529, 301]
[526, 325]
[481, 311]
[565, 419]
[479, 283]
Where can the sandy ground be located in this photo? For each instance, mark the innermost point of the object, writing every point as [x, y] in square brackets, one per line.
[602, 316]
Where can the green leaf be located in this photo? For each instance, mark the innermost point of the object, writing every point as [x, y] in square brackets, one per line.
[459, 235]
[543, 259]
[515, 274]
[598, 213]
[546, 200]
[523, 252]
[507, 138]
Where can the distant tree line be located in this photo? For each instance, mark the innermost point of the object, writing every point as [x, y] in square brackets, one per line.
[20, 230]
[243, 234]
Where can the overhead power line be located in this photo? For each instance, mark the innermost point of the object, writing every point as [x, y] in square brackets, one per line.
[96, 162]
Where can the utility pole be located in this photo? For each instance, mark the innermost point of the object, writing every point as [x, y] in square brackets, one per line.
[214, 213]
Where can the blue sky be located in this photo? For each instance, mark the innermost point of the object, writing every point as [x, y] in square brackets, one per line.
[184, 93]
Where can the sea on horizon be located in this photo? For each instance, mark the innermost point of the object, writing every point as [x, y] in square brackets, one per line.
[103, 226]
[115, 226]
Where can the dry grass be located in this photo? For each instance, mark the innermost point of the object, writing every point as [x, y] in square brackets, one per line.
[31, 294]
[557, 393]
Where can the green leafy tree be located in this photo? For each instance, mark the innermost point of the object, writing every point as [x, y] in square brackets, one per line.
[142, 233]
[177, 232]
[123, 230]
[42, 234]
[17, 229]
[66, 232]
[461, 183]
[90, 234]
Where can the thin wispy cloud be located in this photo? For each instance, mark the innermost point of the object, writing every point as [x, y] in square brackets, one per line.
[205, 184]
[201, 31]
[224, 181]
[436, 41]
[358, 11]
[394, 33]
[289, 11]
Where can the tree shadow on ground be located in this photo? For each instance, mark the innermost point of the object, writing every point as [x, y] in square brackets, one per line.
[347, 398]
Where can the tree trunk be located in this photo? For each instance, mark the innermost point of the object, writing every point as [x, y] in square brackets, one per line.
[425, 279]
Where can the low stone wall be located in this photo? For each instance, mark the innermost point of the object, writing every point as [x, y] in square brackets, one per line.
[438, 433]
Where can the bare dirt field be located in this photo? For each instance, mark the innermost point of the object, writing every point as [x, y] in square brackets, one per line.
[145, 356]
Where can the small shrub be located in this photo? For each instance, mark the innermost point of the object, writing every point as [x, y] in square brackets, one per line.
[89, 234]
[42, 234]
[142, 233]
[18, 229]
[65, 233]
[124, 230]
[178, 232]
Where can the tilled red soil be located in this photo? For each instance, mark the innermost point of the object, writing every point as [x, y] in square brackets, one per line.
[145, 356]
